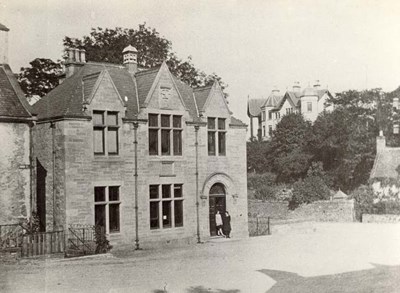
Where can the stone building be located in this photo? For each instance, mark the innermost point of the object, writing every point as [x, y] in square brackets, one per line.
[310, 102]
[16, 122]
[138, 152]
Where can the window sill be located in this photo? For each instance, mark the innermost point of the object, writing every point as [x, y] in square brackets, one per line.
[166, 158]
[104, 158]
[159, 230]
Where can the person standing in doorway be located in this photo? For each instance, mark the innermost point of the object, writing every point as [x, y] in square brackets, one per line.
[227, 225]
[219, 224]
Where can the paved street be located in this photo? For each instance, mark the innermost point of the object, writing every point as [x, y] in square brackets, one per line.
[311, 253]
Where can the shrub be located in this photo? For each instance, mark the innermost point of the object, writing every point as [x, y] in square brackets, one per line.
[363, 201]
[102, 243]
[312, 188]
[274, 192]
[255, 181]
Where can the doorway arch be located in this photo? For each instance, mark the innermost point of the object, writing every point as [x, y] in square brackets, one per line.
[217, 202]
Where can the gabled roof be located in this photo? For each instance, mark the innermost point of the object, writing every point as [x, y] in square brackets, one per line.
[13, 104]
[201, 95]
[254, 107]
[237, 122]
[294, 97]
[273, 100]
[386, 162]
[187, 96]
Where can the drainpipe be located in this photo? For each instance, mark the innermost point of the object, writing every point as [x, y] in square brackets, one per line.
[31, 166]
[135, 142]
[196, 130]
[53, 135]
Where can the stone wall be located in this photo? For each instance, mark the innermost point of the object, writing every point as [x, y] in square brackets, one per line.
[14, 172]
[322, 211]
[368, 218]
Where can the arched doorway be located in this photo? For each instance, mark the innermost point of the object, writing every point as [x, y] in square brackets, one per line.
[217, 202]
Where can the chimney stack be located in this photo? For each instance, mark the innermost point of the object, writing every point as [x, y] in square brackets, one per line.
[75, 59]
[3, 44]
[317, 84]
[130, 59]
[296, 86]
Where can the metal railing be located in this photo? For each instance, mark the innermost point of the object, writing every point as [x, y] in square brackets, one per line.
[259, 226]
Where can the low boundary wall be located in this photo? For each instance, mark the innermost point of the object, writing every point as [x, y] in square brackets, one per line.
[369, 218]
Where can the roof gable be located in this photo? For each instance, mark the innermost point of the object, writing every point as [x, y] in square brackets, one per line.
[254, 107]
[386, 163]
[13, 103]
[215, 103]
[164, 93]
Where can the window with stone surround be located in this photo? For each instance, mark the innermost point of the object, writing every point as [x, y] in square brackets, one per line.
[105, 132]
[166, 206]
[216, 136]
[107, 208]
[309, 106]
[165, 135]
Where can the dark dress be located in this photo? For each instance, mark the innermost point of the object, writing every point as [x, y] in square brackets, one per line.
[227, 225]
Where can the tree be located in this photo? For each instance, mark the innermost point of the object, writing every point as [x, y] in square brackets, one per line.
[288, 153]
[40, 78]
[106, 45]
[344, 140]
[257, 156]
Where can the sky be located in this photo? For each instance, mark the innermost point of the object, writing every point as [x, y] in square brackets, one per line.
[254, 45]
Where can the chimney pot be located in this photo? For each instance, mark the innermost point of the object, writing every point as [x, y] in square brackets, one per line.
[317, 84]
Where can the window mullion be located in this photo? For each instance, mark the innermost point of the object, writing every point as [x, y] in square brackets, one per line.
[107, 212]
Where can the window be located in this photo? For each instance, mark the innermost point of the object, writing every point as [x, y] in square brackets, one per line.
[106, 208]
[166, 206]
[396, 129]
[309, 106]
[216, 136]
[270, 130]
[289, 110]
[269, 115]
[263, 116]
[105, 132]
[263, 130]
[165, 134]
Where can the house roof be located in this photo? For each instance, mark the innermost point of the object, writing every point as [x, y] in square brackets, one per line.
[254, 107]
[13, 103]
[68, 99]
[3, 28]
[273, 100]
[386, 162]
[201, 95]
[237, 122]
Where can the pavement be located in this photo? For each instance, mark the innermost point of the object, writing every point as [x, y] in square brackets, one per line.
[221, 265]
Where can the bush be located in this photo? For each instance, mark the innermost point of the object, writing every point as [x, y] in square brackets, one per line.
[312, 188]
[255, 180]
[102, 243]
[274, 192]
[363, 201]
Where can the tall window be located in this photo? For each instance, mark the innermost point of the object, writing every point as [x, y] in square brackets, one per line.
[216, 136]
[106, 208]
[166, 206]
[269, 115]
[270, 130]
[309, 106]
[105, 132]
[289, 110]
[165, 134]
[263, 115]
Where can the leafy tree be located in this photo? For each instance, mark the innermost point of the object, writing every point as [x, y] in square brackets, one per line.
[288, 152]
[106, 45]
[257, 156]
[313, 187]
[40, 78]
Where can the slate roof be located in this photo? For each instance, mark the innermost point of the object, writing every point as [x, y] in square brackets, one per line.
[201, 94]
[13, 104]
[273, 100]
[237, 122]
[68, 99]
[385, 164]
[254, 107]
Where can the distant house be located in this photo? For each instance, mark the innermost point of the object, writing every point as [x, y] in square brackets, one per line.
[16, 122]
[139, 153]
[310, 102]
[385, 171]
